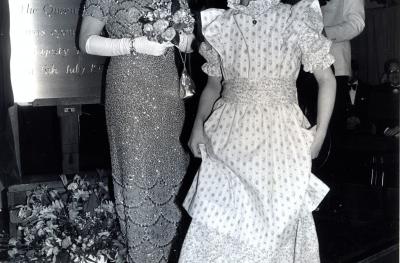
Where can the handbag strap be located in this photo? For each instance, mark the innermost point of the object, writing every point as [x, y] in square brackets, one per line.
[183, 58]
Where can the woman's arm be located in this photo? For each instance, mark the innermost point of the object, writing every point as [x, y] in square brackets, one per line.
[208, 97]
[326, 100]
[91, 42]
[90, 26]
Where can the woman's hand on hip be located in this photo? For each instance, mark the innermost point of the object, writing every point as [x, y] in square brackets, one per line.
[197, 137]
[144, 46]
[317, 144]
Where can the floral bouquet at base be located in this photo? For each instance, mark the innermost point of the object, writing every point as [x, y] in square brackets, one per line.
[161, 25]
[78, 225]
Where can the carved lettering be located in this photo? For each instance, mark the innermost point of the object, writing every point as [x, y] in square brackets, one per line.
[75, 69]
[28, 9]
[51, 10]
[63, 33]
[35, 32]
[54, 52]
[44, 50]
[50, 69]
[96, 67]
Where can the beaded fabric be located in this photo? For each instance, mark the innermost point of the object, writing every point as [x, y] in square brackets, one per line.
[121, 16]
[144, 118]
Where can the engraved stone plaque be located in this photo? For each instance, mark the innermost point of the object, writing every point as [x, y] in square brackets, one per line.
[46, 66]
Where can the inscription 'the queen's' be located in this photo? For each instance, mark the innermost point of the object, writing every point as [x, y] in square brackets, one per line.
[49, 10]
[45, 60]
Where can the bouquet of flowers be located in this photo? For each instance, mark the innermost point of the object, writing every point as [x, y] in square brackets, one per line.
[159, 24]
[77, 225]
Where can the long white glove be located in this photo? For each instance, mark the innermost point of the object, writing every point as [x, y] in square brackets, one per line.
[103, 46]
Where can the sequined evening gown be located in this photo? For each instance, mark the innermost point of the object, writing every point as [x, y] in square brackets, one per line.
[144, 117]
[252, 198]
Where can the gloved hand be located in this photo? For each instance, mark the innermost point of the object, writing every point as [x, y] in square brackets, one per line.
[144, 46]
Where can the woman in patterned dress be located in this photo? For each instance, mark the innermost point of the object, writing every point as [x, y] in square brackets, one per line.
[252, 198]
[144, 118]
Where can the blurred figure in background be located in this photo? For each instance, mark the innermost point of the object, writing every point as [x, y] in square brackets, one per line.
[356, 102]
[384, 102]
[391, 74]
[343, 20]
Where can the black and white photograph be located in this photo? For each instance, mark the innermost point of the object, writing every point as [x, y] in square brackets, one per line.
[199, 131]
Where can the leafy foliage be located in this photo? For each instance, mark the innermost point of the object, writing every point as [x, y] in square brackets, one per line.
[76, 225]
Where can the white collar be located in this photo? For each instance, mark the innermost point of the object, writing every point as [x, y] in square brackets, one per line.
[254, 8]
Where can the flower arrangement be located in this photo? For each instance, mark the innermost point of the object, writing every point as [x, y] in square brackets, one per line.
[77, 225]
[159, 24]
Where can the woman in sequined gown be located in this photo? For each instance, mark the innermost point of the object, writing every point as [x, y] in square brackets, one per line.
[144, 117]
[252, 198]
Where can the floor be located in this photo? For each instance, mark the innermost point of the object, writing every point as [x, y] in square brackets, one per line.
[345, 235]
[345, 239]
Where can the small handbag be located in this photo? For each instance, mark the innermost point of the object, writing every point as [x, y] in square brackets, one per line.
[187, 88]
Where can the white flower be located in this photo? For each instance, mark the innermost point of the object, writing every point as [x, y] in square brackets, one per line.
[66, 242]
[72, 186]
[108, 206]
[53, 194]
[57, 205]
[105, 233]
[160, 25]
[24, 212]
[133, 14]
[90, 243]
[12, 252]
[55, 251]
[168, 34]
[147, 27]
[39, 225]
[180, 15]
[150, 16]
[49, 252]
[164, 13]
[12, 242]
[73, 214]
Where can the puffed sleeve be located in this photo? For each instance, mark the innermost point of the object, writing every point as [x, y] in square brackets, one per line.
[212, 67]
[313, 45]
[211, 28]
[97, 8]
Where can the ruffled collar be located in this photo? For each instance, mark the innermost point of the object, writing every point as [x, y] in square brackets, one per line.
[255, 7]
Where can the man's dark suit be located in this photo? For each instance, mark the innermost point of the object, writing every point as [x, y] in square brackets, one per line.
[357, 109]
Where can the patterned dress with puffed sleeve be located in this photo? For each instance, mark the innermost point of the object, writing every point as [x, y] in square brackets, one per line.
[144, 118]
[252, 199]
